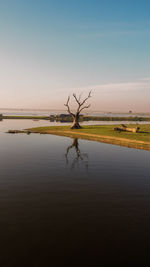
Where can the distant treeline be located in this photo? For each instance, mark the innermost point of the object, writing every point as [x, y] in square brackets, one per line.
[27, 117]
[68, 118]
[99, 118]
[131, 118]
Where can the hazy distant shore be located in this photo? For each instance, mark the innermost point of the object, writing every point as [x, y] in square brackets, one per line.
[48, 112]
[83, 118]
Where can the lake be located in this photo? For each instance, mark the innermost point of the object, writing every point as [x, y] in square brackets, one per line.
[66, 202]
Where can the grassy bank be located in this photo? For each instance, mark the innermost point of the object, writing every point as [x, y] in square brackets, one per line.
[103, 133]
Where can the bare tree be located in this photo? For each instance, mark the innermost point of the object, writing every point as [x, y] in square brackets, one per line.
[81, 106]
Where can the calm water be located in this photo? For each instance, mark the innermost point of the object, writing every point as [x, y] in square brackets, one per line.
[66, 202]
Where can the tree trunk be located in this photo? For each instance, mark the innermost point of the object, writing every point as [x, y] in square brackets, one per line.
[76, 124]
[126, 129]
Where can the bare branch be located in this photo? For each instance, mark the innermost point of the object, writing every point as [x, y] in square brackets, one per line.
[89, 95]
[84, 107]
[80, 104]
[77, 100]
[67, 105]
[80, 96]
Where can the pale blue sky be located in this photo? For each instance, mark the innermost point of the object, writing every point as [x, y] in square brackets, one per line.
[51, 48]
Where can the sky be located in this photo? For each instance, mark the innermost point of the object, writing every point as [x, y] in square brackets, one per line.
[50, 49]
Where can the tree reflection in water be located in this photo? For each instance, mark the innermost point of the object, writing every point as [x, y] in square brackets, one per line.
[79, 157]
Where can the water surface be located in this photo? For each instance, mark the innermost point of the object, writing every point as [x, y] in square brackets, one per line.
[66, 202]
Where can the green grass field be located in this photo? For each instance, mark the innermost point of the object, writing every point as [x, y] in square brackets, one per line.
[103, 133]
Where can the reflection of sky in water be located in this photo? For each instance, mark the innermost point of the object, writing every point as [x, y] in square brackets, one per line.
[65, 210]
[48, 151]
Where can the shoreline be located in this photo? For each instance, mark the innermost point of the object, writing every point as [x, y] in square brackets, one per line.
[103, 133]
[135, 119]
